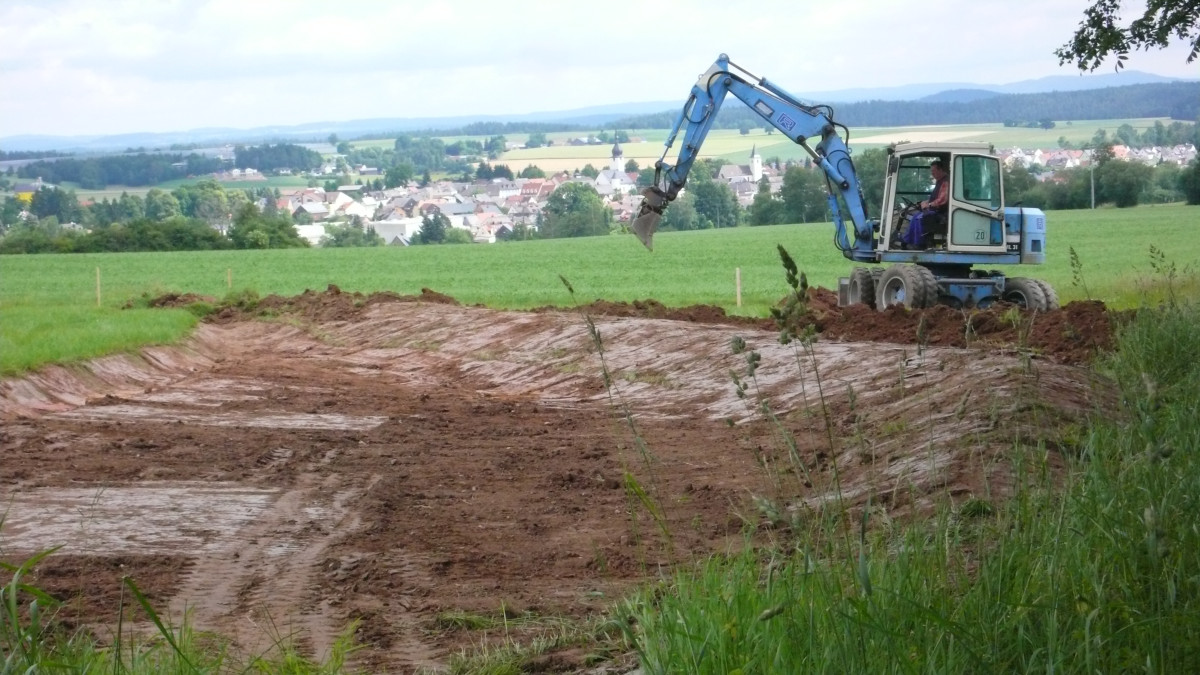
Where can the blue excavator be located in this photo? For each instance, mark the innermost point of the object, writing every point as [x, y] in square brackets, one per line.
[942, 263]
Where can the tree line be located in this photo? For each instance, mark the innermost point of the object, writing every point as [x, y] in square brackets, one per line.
[1176, 100]
[1157, 136]
[141, 169]
[186, 218]
[97, 173]
[421, 155]
[267, 158]
[28, 154]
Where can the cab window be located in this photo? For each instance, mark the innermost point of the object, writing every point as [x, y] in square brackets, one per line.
[977, 180]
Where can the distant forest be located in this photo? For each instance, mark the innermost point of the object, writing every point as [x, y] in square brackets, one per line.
[142, 169]
[1177, 100]
[96, 173]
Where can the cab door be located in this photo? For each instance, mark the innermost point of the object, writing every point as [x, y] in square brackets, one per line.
[976, 215]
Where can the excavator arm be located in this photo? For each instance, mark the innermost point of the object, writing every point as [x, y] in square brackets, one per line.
[802, 123]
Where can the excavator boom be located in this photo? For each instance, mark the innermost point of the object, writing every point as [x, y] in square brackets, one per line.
[812, 127]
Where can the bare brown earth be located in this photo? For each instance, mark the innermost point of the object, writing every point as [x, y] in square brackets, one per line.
[400, 459]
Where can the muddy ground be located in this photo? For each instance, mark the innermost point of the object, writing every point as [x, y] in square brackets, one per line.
[310, 461]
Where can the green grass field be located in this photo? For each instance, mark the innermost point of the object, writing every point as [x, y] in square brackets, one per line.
[685, 268]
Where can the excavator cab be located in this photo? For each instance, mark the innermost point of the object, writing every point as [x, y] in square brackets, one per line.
[973, 221]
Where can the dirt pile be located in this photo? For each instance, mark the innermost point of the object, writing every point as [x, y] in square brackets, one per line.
[332, 304]
[1073, 334]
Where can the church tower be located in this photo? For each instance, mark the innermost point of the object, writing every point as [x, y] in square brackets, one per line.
[618, 159]
[755, 164]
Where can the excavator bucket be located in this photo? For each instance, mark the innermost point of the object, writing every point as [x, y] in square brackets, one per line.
[648, 217]
[644, 226]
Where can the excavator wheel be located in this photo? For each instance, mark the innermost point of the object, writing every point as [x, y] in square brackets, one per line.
[862, 287]
[912, 286]
[1026, 293]
[1051, 295]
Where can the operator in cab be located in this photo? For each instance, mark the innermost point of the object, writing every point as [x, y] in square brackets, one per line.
[932, 211]
[940, 197]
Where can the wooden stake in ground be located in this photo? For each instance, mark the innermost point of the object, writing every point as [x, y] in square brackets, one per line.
[229, 277]
[737, 278]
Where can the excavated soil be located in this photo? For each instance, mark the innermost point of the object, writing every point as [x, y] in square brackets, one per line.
[396, 459]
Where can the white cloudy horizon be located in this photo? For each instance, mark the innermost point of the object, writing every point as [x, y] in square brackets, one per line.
[79, 67]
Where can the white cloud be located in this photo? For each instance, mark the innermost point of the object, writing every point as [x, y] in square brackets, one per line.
[78, 66]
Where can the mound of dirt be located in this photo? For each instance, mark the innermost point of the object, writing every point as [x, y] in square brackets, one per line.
[332, 304]
[174, 300]
[1073, 334]
[653, 309]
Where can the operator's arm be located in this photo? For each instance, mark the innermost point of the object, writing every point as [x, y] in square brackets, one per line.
[940, 198]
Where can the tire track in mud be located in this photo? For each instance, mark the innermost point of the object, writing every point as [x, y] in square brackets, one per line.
[262, 589]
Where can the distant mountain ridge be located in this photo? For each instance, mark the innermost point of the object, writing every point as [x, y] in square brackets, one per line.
[1175, 100]
[1041, 85]
[583, 118]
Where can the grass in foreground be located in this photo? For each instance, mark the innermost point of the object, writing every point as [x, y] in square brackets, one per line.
[1099, 575]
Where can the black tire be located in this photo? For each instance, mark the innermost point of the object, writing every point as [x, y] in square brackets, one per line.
[931, 285]
[1051, 295]
[907, 285]
[862, 287]
[1025, 293]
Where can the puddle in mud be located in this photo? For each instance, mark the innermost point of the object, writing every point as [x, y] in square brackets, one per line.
[152, 518]
[279, 420]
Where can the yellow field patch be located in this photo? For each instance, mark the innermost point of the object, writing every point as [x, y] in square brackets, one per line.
[570, 158]
[721, 142]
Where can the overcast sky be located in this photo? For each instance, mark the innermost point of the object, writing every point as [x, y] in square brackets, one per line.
[72, 67]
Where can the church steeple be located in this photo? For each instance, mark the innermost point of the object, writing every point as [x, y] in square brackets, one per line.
[755, 164]
[618, 166]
